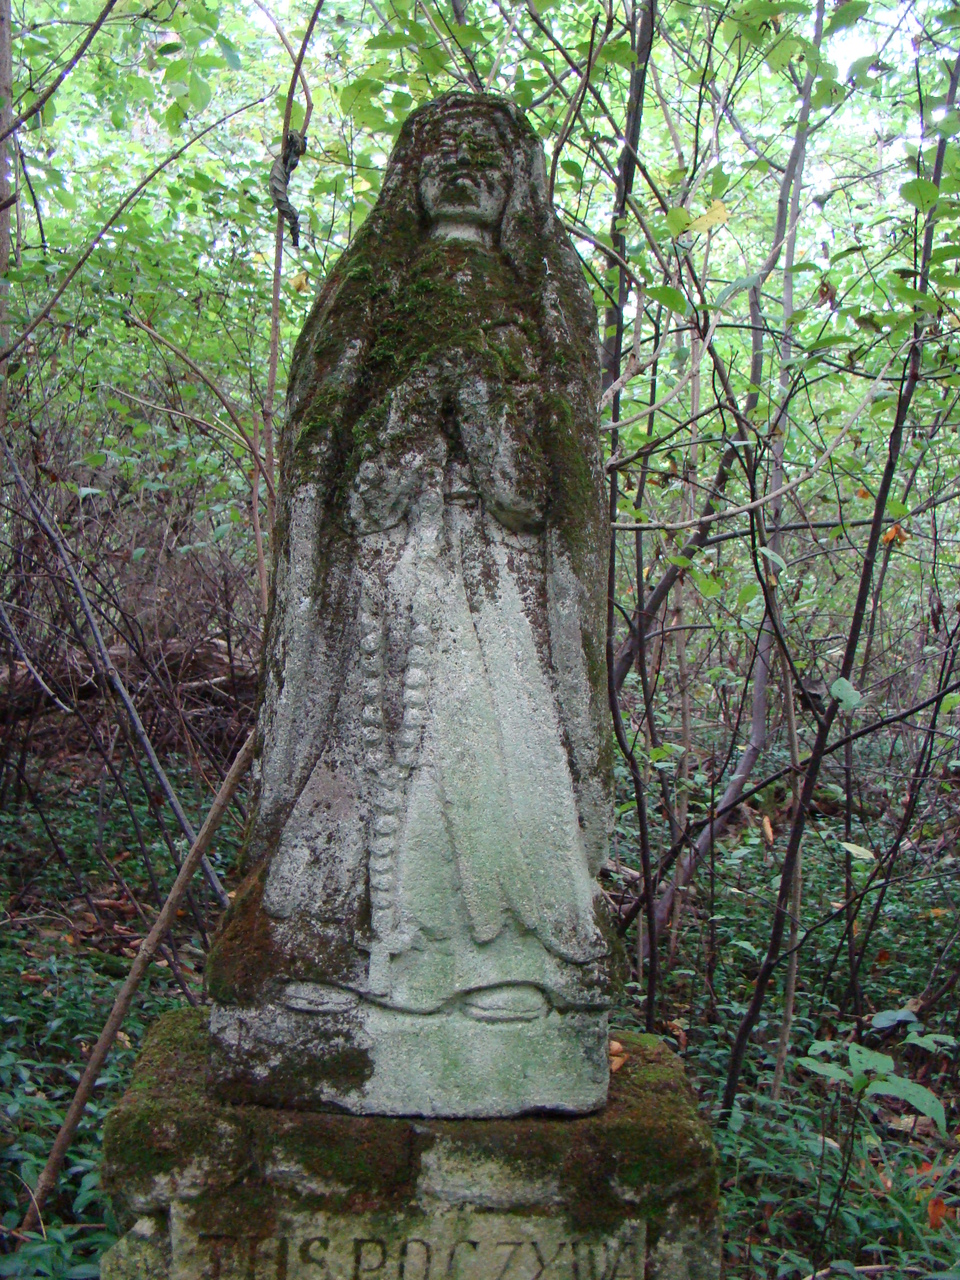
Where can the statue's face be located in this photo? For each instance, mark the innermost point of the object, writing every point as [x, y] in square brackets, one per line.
[467, 179]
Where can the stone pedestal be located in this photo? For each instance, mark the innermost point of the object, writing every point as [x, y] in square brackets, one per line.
[224, 1192]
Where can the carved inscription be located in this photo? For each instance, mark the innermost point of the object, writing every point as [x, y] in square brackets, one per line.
[480, 1255]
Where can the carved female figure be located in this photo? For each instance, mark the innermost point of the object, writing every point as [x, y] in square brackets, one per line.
[421, 930]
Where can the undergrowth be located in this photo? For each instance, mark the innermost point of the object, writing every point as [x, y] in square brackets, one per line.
[61, 963]
[826, 1177]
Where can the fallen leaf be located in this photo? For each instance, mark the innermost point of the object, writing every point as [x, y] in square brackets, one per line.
[863, 493]
[904, 1124]
[617, 1062]
[883, 957]
[677, 1028]
[767, 826]
[936, 1212]
[616, 1046]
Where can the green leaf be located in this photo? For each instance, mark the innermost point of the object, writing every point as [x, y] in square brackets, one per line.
[199, 92]
[230, 54]
[138, 554]
[921, 193]
[950, 703]
[828, 1069]
[719, 181]
[772, 556]
[708, 586]
[746, 594]
[671, 298]
[738, 286]
[390, 40]
[780, 53]
[895, 509]
[678, 220]
[926, 1102]
[887, 1018]
[845, 694]
[94, 459]
[847, 15]
[863, 1059]
[935, 1042]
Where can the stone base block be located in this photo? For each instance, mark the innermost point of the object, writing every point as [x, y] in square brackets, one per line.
[219, 1192]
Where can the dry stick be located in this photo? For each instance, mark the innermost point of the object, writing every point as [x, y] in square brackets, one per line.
[786, 668]
[7, 199]
[278, 266]
[790, 984]
[112, 674]
[124, 204]
[507, 36]
[255, 513]
[610, 364]
[51, 1170]
[39, 103]
[293, 58]
[267, 407]
[688, 501]
[576, 100]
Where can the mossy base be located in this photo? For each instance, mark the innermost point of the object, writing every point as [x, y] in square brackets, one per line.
[231, 1192]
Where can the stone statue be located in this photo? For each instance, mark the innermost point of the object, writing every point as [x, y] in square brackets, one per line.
[421, 932]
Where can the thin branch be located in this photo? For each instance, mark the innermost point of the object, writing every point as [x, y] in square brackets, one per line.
[52, 88]
[167, 917]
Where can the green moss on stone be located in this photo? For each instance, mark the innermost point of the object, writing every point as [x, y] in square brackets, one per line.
[648, 1152]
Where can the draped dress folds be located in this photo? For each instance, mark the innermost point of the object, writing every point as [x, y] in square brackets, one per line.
[480, 884]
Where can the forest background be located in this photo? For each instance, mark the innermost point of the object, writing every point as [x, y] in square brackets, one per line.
[765, 198]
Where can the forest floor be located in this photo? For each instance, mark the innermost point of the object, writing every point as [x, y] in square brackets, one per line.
[836, 1178]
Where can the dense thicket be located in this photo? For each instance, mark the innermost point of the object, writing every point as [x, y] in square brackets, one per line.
[765, 196]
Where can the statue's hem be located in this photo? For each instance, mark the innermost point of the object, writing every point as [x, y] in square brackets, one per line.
[392, 1063]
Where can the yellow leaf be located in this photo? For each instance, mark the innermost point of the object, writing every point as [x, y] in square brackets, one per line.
[767, 830]
[857, 851]
[617, 1062]
[714, 217]
[301, 282]
[616, 1047]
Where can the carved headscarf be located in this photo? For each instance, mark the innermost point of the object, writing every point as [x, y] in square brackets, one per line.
[330, 384]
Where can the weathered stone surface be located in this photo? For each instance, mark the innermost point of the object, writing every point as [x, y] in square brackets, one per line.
[421, 932]
[255, 1193]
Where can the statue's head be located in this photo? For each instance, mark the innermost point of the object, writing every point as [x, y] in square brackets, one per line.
[466, 179]
[468, 166]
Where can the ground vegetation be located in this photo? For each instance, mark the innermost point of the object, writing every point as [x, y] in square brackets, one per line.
[764, 195]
